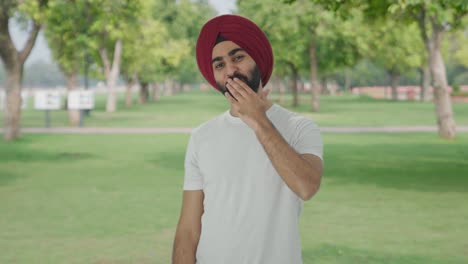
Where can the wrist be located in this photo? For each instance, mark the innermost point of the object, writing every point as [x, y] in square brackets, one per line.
[263, 126]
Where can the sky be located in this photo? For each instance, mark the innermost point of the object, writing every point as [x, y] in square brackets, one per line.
[41, 51]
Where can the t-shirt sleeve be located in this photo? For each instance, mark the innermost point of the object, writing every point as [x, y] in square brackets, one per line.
[193, 179]
[307, 138]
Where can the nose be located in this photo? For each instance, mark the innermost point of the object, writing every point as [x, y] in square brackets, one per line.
[231, 68]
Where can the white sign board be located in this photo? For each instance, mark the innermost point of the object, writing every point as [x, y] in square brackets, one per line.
[3, 100]
[47, 100]
[81, 99]
[24, 99]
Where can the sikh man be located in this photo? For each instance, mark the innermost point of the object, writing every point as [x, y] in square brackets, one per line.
[249, 170]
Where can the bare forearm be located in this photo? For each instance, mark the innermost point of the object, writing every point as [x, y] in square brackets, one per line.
[184, 249]
[300, 176]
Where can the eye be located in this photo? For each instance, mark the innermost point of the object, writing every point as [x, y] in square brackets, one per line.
[238, 58]
[219, 66]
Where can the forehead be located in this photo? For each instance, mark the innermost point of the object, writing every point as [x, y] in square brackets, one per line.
[223, 48]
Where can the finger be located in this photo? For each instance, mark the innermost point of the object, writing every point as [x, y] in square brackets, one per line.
[243, 86]
[234, 91]
[231, 99]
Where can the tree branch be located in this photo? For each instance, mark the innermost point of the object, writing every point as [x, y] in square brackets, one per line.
[117, 55]
[421, 18]
[24, 53]
[7, 47]
[105, 61]
[457, 19]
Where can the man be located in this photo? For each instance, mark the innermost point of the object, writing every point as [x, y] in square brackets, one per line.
[249, 170]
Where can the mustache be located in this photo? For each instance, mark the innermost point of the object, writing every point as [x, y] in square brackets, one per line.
[239, 76]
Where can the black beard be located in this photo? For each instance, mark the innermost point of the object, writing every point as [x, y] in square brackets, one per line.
[253, 83]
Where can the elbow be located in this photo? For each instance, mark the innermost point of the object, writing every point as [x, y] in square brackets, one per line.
[309, 191]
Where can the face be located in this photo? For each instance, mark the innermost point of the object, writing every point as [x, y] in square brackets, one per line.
[229, 61]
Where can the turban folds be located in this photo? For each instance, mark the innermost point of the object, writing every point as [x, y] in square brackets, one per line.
[241, 31]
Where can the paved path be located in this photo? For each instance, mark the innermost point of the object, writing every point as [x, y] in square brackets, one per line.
[186, 130]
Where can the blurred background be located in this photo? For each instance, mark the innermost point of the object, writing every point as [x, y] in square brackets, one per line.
[98, 99]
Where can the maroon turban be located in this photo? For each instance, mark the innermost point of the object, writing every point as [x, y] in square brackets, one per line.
[241, 31]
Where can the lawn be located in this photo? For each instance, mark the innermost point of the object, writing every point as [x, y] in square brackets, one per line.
[385, 198]
[192, 108]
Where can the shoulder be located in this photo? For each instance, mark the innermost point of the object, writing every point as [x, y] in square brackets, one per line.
[291, 120]
[207, 128]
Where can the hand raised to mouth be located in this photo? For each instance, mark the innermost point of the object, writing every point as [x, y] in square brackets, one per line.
[250, 106]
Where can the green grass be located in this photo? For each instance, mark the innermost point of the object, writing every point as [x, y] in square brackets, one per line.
[385, 198]
[193, 108]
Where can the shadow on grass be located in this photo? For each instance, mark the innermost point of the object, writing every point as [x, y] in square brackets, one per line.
[170, 160]
[332, 254]
[21, 151]
[10, 157]
[421, 167]
[6, 177]
[33, 155]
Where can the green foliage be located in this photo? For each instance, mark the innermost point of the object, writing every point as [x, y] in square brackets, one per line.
[162, 44]
[27, 10]
[67, 33]
[292, 28]
[395, 46]
[184, 19]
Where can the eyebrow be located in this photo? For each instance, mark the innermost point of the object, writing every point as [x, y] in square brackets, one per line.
[230, 53]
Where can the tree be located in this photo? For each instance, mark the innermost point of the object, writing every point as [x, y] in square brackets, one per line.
[396, 47]
[184, 19]
[434, 19]
[440, 15]
[306, 38]
[110, 21]
[66, 33]
[31, 13]
[280, 24]
[144, 52]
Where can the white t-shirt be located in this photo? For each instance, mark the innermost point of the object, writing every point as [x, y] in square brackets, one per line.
[250, 214]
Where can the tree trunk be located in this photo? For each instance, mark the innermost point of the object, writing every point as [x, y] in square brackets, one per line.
[13, 60]
[73, 114]
[144, 92]
[443, 103]
[156, 92]
[282, 91]
[300, 87]
[293, 85]
[324, 89]
[12, 115]
[168, 87]
[129, 95]
[175, 87]
[394, 82]
[347, 80]
[314, 78]
[112, 73]
[129, 91]
[425, 82]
